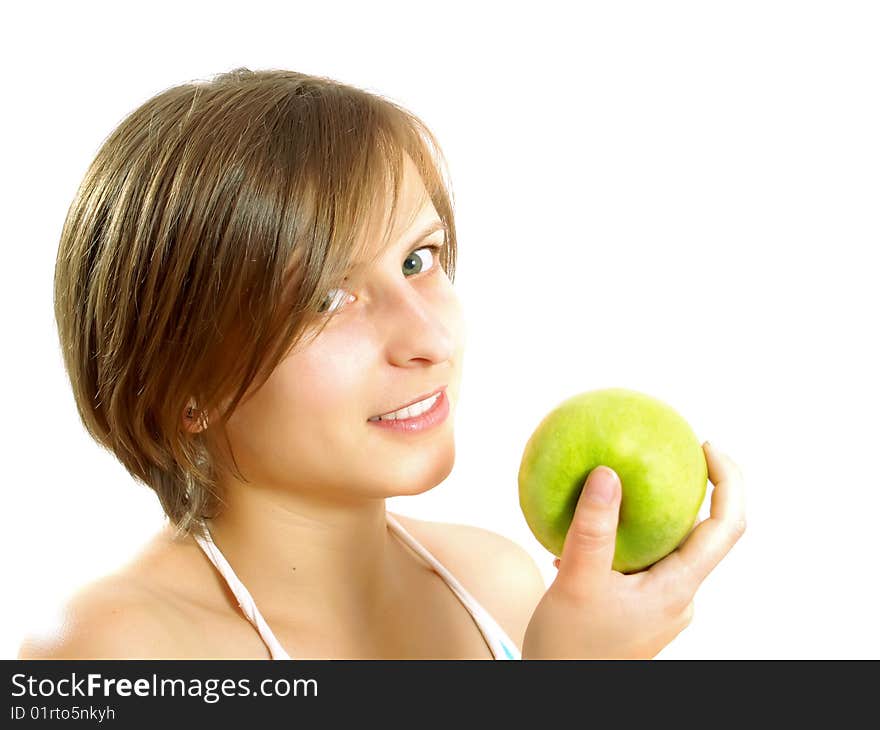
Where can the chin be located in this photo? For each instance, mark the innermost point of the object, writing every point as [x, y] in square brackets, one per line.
[412, 479]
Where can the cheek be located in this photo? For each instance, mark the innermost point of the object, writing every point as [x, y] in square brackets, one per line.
[300, 414]
[328, 383]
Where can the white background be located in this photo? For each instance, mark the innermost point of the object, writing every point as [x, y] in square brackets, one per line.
[678, 198]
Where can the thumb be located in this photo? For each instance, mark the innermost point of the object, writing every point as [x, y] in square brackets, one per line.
[588, 551]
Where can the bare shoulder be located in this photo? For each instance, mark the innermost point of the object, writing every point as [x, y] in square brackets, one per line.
[497, 571]
[111, 618]
[123, 615]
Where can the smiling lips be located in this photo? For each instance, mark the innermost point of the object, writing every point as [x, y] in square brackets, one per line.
[413, 409]
[420, 416]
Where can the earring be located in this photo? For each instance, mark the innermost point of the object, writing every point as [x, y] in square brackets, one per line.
[191, 412]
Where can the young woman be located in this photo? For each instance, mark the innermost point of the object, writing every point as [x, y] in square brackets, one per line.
[254, 299]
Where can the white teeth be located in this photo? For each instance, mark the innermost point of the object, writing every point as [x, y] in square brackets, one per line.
[416, 409]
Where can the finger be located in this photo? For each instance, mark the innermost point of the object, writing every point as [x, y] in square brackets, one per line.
[689, 612]
[556, 563]
[588, 550]
[687, 616]
[686, 567]
[693, 527]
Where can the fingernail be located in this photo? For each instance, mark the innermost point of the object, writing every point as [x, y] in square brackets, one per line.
[602, 485]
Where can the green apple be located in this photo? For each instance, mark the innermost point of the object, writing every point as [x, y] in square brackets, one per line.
[655, 453]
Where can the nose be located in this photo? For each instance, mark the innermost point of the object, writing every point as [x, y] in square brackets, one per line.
[418, 327]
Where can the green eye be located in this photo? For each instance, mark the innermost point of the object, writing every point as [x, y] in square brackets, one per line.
[413, 264]
[417, 266]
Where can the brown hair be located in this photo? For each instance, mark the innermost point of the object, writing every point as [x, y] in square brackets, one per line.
[200, 246]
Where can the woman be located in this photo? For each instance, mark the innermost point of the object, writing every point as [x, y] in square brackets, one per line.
[254, 301]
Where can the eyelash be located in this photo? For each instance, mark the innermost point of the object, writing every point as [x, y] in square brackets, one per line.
[435, 249]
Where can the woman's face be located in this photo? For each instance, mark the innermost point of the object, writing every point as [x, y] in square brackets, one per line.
[398, 336]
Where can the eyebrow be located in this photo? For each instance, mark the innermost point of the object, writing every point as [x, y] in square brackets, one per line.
[432, 227]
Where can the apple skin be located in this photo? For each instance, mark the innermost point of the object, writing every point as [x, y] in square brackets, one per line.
[659, 460]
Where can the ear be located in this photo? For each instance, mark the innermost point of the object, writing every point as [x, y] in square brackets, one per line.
[193, 419]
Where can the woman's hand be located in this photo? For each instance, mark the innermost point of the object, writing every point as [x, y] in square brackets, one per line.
[593, 612]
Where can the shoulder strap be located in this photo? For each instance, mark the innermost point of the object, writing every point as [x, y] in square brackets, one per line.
[245, 600]
[500, 643]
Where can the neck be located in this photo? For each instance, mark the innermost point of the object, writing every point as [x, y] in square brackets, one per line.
[305, 557]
